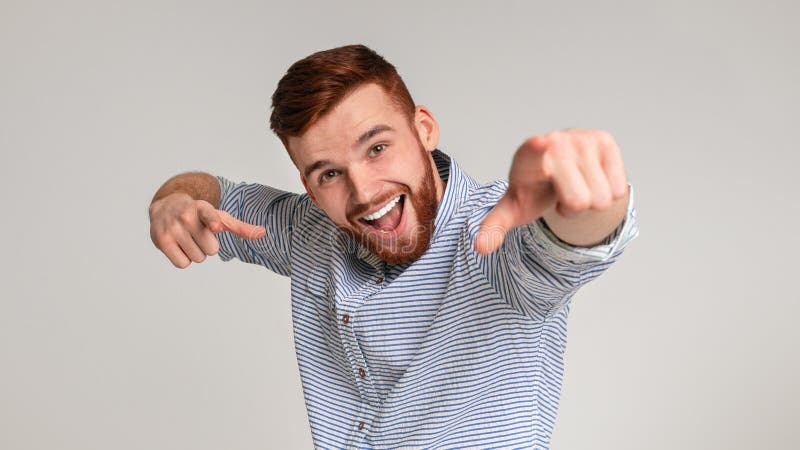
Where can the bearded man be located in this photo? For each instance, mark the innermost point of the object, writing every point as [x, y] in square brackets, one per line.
[429, 309]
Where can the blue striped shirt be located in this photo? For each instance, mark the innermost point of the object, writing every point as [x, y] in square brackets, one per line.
[452, 350]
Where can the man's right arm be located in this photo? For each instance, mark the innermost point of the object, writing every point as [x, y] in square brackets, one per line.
[198, 185]
[184, 218]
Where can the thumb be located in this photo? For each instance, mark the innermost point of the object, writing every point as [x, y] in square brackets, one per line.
[210, 217]
[495, 225]
[239, 228]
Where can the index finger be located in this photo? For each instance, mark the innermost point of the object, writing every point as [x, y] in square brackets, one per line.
[239, 228]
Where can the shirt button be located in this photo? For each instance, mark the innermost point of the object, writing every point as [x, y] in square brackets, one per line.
[360, 426]
[362, 372]
[346, 318]
[379, 280]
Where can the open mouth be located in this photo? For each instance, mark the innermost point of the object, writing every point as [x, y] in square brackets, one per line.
[388, 218]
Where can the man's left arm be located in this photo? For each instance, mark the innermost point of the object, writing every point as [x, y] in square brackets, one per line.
[565, 217]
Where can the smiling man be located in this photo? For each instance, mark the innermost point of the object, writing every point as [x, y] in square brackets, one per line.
[429, 309]
[383, 191]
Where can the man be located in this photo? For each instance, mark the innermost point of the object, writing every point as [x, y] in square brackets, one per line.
[429, 310]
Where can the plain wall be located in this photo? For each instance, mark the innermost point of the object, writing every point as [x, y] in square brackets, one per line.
[688, 342]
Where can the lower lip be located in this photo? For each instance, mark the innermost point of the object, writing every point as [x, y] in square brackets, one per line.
[393, 233]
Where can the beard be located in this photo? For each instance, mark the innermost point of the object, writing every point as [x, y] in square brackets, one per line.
[416, 240]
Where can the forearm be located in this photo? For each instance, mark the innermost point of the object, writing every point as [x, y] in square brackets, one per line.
[590, 227]
[198, 185]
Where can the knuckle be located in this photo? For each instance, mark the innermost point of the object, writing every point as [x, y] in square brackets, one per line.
[207, 212]
[544, 170]
[562, 153]
[216, 227]
[544, 141]
[154, 237]
[607, 143]
[534, 142]
[606, 138]
[577, 202]
[620, 191]
[188, 216]
[603, 201]
[161, 241]
[582, 150]
[176, 229]
[583, 205]
[554, 138]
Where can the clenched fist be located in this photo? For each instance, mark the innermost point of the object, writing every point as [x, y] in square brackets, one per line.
[183, 228]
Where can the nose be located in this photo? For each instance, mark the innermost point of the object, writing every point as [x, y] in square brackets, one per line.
[364, 185]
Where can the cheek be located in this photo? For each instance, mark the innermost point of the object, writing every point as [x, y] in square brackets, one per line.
[406, 166]
[333, 204]
[414, 170]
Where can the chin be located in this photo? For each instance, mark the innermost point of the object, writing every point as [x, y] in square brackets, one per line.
[406, 250]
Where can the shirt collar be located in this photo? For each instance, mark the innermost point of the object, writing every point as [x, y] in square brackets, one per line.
[454, 189]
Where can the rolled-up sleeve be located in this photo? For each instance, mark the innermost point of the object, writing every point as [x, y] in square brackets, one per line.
[542, 240]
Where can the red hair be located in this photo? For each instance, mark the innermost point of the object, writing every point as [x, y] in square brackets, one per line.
[317, 83]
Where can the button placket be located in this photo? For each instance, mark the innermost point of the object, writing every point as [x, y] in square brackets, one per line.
[348, 305]
[356, 357]
[345, 305]
[365, 387]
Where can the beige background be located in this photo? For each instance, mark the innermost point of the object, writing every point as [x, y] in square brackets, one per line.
[688, 342]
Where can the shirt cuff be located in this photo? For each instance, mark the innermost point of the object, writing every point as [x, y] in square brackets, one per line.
[225, 186]
[538, 234]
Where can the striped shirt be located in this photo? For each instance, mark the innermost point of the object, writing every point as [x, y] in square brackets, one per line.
[452, 350]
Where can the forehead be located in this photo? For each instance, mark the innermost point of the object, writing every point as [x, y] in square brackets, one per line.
[337, 131]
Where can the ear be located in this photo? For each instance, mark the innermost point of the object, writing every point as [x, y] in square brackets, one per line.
[308, 191]
[427, 128]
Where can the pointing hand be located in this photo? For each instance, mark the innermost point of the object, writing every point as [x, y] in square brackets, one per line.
[183, 228]
[565, 172]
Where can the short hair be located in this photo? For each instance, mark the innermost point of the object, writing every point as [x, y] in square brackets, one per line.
[317, 83]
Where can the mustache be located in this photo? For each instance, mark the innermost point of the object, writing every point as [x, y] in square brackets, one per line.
[361, 209]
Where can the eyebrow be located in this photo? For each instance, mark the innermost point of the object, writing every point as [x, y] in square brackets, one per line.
[372, 132]
[315, 166]
[366, 136]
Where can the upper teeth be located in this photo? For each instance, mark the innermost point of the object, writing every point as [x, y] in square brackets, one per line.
[382, 212]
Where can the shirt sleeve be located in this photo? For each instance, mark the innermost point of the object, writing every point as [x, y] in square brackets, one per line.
[538, 273]
[279, 212]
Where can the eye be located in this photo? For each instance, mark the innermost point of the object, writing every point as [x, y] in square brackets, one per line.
[376, 150]
[328, 174]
